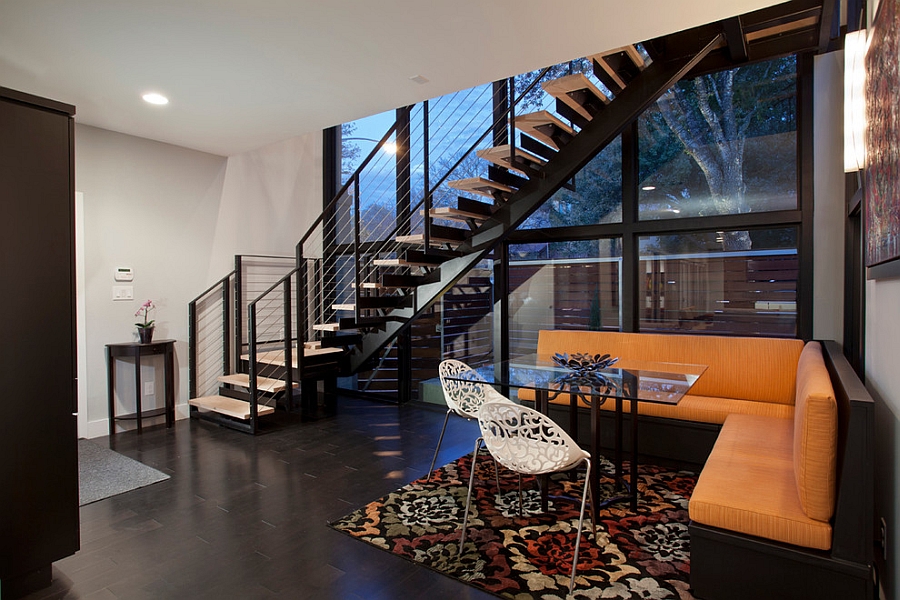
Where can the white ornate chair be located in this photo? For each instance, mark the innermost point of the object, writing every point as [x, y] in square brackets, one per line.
[529, 443]
[463, 398]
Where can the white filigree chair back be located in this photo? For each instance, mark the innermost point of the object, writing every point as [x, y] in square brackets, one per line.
[466, 398]
[526, 441]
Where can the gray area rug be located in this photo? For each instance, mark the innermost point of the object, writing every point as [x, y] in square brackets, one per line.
[103, 473]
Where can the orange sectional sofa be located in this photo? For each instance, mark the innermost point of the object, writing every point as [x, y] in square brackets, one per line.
[755, 376]
[788, 482]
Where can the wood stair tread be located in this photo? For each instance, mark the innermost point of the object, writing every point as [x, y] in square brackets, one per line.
[276, 357]
[263, 384]
[564, 86]
[532, 124]
[610, 62]
[401, 262]
[419, 238]
[326, 327]
[231, 407]
[454, 214]
[370, 285]
[343, 307]
[499, 155]
[480, 185]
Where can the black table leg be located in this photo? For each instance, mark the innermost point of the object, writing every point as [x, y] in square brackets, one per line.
[170, 386]
[619, 428]
[634, 454]
[111, 389]
[137, 388]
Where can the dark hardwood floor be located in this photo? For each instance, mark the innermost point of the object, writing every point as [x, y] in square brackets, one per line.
[245, 517]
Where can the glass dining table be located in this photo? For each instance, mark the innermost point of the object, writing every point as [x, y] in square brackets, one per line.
[633, 380]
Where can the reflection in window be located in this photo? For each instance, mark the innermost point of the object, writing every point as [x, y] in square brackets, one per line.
[722, 143]
[695, 283]
[563, 285]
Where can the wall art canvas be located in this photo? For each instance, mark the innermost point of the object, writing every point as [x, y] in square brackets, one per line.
[882, 189]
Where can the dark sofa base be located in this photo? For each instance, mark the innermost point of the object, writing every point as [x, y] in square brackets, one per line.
[730, 566]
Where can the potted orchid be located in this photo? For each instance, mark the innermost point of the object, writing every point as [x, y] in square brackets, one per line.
[145, 329]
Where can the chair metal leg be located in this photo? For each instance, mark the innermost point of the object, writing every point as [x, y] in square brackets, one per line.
[584, 495]
[497, 478]
[436, 450]
[462, 538]
[593, 506]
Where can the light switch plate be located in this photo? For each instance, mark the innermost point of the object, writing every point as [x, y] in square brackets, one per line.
[123, 292]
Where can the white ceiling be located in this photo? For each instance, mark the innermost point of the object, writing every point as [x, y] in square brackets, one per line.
[244, 73]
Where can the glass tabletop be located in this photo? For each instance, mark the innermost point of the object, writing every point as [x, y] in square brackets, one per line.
[645, 381]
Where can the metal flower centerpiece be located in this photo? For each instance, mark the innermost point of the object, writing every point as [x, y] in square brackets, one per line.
[586, 370]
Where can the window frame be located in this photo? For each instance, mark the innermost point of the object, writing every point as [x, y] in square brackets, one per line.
[632, 228]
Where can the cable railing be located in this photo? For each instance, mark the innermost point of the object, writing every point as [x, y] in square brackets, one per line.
[389, 197]
[271, 352]
[209, 337]
[381, 213]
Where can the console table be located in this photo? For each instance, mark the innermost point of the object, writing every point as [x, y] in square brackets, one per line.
[136, 350]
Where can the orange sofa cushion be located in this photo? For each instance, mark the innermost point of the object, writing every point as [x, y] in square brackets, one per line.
[815, 435]
[702, 409]
[743, 368]
[748, 484]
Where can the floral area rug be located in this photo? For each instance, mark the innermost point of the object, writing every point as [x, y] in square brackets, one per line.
[635, 555]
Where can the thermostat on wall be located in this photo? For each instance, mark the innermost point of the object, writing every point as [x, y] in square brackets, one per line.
[124, 274]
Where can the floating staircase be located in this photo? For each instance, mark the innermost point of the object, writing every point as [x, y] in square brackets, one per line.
[357, 285]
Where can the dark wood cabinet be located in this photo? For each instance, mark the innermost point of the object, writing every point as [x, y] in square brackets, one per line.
[38, 435]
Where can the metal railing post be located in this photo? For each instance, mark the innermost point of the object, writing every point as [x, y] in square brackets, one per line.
[192, 349]
[251, 370]
[288, 347]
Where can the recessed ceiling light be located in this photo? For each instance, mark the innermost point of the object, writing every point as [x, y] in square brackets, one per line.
[154, 98]
[648, 188]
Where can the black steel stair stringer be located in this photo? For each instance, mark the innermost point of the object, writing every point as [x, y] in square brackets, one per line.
[640, 93]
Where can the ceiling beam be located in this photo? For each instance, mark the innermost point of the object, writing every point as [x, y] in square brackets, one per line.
[737, 43]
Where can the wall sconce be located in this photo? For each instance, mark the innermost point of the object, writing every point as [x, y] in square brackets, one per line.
[855, 101]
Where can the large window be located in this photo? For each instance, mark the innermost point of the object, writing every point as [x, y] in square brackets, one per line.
[702, 198]
[721, 144]
[695, 282]
[594, 197]
[563, 285]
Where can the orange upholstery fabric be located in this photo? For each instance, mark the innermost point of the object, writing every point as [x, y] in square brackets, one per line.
[702, 409]
[748, 484]
[755, 369]
[815, 435]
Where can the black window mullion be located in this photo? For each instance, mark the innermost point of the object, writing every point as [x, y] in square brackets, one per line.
[805, 188]
[630, 291]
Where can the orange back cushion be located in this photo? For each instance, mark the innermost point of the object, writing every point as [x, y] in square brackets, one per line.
[759, 369]
[815, 435]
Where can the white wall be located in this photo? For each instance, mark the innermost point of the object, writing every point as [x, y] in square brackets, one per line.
[883, 381]
[828, 184]
[177, 217]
